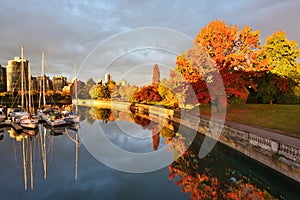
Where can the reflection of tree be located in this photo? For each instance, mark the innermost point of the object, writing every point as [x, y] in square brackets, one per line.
[155, 138]
[149, 125]
[143, 122]
[104, 114]
[205, 179]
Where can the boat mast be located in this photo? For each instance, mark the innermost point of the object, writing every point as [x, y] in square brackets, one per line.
[43, 74]
[75, 85]
[29, 88]
[22, 77]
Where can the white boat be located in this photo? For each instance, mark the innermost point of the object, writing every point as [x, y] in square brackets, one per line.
[54, 122]
[28, 121]
[53, 117]
[71, 117]
[2, 115]
[16, 113]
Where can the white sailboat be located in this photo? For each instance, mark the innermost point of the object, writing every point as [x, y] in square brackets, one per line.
[19, 115]
[27, 120]
[73, 117]
[52, 116]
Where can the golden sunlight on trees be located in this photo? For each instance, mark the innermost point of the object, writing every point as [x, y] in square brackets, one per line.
[236, 55]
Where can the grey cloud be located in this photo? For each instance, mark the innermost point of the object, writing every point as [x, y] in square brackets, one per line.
[68, 30]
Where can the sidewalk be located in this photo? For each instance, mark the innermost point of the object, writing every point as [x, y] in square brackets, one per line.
[280, 136]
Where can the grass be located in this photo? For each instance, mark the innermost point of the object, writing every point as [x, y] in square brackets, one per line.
[285, 118]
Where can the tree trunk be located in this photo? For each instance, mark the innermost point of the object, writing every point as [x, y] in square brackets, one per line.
[271, 102]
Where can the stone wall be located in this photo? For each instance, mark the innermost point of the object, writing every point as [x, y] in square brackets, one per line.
[280, 156]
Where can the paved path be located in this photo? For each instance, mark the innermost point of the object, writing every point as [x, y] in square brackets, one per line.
[280, 136]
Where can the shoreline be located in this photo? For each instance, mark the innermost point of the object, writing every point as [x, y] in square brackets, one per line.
[275, 150]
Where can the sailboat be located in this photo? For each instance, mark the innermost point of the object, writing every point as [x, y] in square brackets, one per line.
[27, 120]
[52, 116]
[19, 115]
[73, 117]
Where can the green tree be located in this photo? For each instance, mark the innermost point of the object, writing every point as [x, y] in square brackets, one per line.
[99, 91]
[90, 83]
[281, 55]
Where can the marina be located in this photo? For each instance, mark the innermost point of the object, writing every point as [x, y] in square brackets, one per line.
[66, 155]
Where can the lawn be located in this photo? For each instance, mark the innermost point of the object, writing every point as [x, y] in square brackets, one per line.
[279, 117]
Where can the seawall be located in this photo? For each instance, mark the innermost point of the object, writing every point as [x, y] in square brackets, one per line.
[277, 151]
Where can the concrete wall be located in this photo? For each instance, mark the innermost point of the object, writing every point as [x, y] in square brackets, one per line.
[280, 156]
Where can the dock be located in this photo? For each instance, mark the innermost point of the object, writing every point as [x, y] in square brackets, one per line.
[14, 125]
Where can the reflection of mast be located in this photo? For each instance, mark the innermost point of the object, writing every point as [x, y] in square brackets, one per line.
[24, 164]
[76, 141]
[44, 153]
[76, 158]
[31, 165]
[25, 160]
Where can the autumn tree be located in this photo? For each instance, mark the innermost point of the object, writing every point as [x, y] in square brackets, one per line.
[235, 53]
[148, 94]
[100, 91]
[127, 92]
[156, 75]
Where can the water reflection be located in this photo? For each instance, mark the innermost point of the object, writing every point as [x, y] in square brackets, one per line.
[223, 174]
[33, 145]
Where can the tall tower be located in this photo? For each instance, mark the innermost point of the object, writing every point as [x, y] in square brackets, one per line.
[13, 73]
[107, 78]
[156, 75]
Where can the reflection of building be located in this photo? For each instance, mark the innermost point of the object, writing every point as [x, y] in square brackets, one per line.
[48, 83]
[3, 79]
[107, 78]
[14, 70]
[59, 82]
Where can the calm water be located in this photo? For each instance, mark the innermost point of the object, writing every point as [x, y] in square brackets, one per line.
[63, 163]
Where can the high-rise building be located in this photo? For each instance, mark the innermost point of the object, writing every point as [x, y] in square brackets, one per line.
[13, 74]
[34, 83]
[48, 83]
[3, 83]
[107, 78]
[59, 82]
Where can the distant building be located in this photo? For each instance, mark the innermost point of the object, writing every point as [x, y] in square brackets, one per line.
[3, 81]
[34, 83]
[48, 83]
[13, 74]
[122, 83]
[59, 82]
[107, 78]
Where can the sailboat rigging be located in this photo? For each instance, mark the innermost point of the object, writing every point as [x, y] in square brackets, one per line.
[73, 117]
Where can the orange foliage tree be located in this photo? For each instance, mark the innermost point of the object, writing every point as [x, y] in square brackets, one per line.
[148, 93]
[236, 54]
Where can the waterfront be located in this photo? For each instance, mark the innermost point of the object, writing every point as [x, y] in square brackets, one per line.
[58, 172]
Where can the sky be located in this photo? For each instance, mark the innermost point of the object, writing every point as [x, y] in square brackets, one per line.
[125, 38]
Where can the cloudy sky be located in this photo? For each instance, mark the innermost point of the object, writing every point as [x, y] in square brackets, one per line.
[109, 36]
